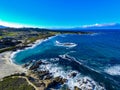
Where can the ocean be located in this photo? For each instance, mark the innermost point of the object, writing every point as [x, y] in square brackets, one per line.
[92, 56]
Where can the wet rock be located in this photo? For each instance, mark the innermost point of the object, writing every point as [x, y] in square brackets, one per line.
[31, 79]
[43, 74]
[42, 84]
[56, 82]
[85, 80]
[25, 65]
[73, 74]
[52, 84]
[39, 62]
[76, 88]
[23, 74]
[60, 80]
[86, 84]
[35, 65]
[50, 76]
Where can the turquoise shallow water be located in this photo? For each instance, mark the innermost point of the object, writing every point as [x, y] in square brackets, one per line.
[96, 56]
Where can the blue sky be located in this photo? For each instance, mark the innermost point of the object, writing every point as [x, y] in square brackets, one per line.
[59, 13]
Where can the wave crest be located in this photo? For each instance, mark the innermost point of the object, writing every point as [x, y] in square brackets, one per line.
[114, 70]
[67, 44]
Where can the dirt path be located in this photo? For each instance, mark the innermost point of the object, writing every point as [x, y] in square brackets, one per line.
[30, 83]
[36, 88]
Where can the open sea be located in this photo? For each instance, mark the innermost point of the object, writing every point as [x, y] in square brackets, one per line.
[93, 56]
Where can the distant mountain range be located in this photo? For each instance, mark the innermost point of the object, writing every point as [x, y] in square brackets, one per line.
[87, 27]
[1, 26]
[99, 26]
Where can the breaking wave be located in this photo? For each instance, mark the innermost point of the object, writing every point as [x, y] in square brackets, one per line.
[67, 44]
[74, 77]
[114, 70]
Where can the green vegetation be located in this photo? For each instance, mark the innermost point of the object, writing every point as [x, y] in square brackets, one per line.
[1, 37]
[7, 49]
[11, 34]
[13, 39]
[18, 38]
[16, 83]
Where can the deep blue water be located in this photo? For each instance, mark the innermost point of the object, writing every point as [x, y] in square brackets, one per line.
[98, 56]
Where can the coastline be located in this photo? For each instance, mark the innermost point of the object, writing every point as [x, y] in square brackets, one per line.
[29, 46]
[8, 67]
[8, 63]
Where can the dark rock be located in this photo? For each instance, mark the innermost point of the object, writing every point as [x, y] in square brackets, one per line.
[48, 77]
[39, 62]
[60, 80]
[31, 79]
[25, 65]
[42, 84]
[42, 74]
[35, 65]
[73, 74]
[85, 80]
[76, 88]
[22, 74]
[56, 82]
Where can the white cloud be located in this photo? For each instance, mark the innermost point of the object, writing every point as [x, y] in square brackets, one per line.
[15, 25]
[8, 24]
[98, 25]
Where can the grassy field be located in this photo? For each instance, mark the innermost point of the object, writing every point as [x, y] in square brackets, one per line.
[15, 83]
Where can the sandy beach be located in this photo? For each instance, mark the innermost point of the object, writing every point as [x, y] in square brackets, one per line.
[7, 67]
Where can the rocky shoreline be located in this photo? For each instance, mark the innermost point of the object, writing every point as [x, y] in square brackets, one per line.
[50, 82]
[47, 78]
[44, 79]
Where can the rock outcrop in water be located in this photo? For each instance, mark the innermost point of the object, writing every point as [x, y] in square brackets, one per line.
[48, 80]
[35, 65]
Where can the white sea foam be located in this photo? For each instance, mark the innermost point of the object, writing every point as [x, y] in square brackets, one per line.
[66, 56]
[94, 34]
[70, 52]
[114, 70]
[67, 44]
[83, 82]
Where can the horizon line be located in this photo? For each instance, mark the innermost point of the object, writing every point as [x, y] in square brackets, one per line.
[18, 25]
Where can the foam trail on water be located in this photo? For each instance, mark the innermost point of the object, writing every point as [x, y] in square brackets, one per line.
[113, 70]
[94, 34]
[67, 44]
